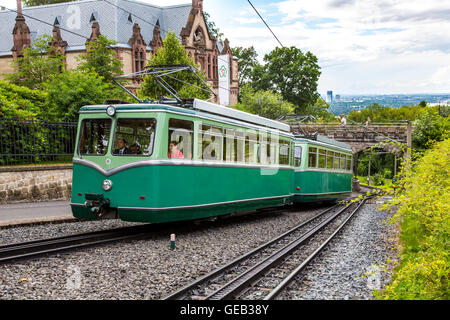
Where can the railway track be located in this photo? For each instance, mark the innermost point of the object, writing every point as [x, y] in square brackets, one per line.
[35, 248]
[31, 249]
[265, 271]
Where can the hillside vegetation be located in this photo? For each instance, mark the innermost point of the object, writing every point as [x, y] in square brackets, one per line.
[424, 214]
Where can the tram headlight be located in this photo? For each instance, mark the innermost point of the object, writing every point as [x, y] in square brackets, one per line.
[107, 185]
[111, 111]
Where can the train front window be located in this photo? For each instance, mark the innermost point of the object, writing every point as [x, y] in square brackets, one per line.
[94, 137]
[134, 137]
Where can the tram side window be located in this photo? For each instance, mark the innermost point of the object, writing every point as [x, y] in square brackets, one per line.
[342, 161]
[229, 149]
[297, 156]
[209, 142]
[349, 162]
[180, 141]
[336, 161]
[312, 162]
[134, 137]
[322, 158]
[233, 146]
[251, 147]
[272, 148]
[263, 146]
[284, 152]
[94, 137]
[329, 159]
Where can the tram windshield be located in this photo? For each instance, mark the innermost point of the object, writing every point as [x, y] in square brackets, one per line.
[94, 137]
[134, 137]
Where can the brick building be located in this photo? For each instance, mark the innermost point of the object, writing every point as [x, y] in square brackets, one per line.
[138, 28]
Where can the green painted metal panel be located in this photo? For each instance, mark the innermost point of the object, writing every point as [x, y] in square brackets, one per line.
[322, 182]
[168, 186]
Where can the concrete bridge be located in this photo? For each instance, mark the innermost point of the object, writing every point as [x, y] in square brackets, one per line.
[361, 137]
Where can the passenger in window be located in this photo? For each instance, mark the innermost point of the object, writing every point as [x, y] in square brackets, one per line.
[174, 153]
[135, 148]
[122, 147]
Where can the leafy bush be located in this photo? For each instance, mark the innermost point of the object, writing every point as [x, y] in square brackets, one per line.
[430, 127]
[378, 179]
[70, 90]
[424, 212]
[20, 102]
[387, 174]
[38, 64]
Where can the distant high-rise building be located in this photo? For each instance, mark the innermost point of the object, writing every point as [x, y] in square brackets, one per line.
[338, 98]
[329, 96]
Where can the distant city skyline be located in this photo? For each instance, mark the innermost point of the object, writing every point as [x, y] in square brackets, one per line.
[363, 46]
[351, 102]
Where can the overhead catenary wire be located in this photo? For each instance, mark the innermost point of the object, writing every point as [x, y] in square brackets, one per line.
[61, 28]
[265, 23]
[146, 21]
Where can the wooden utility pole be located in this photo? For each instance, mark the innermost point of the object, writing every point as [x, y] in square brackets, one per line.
[408, 141]
[395, 165]
[368, 178]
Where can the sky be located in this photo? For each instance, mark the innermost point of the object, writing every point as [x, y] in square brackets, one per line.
[363, 46]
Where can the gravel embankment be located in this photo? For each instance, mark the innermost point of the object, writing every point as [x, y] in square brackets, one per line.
[354, 264]
[145, 269]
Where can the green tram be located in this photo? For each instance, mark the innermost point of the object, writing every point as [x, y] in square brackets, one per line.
[161, 162]
[184, 159]
[323, 169]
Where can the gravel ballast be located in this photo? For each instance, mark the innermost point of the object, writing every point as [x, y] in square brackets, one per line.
[354, 264]
[144, 269]
[148, 269]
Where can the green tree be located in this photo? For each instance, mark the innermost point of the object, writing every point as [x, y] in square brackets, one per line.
[21, 102]
[247, 59]
[430, 127]
[33, 3]
[292, 73]
[378, 113]
[68, 91]
[172, 52]
[213, 29]
[38, 64]
[101, 58]
[272, 104]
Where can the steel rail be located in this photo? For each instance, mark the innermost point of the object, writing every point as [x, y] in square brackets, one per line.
[278, 289]
[39, 247]
[180, 294]
[29, 249]
[245, 279]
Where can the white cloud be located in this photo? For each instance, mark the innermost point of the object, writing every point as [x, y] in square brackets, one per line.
[371, 46]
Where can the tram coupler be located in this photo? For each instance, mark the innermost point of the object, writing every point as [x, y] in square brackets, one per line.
[98, 204]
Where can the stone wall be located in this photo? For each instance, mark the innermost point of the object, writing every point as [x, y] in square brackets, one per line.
[35, 183]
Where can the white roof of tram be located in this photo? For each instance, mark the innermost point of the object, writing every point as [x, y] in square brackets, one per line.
[239, 115]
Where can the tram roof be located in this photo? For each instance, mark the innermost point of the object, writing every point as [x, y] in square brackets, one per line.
[198, 105]
[322, 140]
